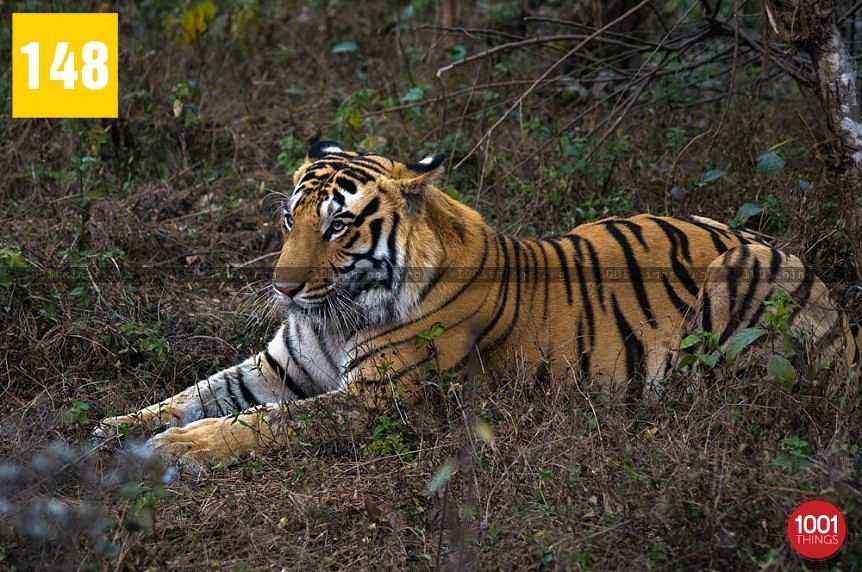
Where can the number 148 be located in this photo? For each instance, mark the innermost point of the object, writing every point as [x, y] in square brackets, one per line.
[94, 74]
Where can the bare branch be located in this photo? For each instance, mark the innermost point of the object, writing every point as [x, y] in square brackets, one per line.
[545, 74]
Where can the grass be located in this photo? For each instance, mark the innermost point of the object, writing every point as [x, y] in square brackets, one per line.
[133, 261]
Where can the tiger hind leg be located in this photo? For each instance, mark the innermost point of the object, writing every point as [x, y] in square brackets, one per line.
[742, 289]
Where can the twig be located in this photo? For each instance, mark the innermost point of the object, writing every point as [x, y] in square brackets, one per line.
[238, 265]
[544, 75]
[645, 43]
[530, 42]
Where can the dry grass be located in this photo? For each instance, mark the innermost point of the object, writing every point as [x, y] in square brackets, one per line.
[136, 281]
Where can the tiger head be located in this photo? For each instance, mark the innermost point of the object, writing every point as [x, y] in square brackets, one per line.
[353, 225]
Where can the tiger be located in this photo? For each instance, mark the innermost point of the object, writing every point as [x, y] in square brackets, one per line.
[375, 256]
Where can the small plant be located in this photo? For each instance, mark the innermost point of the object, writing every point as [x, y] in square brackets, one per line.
[292, 153]
[387, 440]
[76, 413]
[384, 367]
[11, 263]
[776, 328]
[709, 353]
[148, 339]
[427, 337]
[794, 455]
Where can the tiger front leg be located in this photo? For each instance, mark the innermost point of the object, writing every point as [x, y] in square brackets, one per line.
[265, 428]
[377, 378]
[234, 389]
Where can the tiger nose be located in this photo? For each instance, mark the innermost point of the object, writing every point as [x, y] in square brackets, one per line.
[289, 289]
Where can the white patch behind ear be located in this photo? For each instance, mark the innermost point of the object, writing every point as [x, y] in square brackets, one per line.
[426, 165]
[323, 148]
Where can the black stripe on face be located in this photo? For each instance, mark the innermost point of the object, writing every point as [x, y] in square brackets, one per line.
[338, 198]
[361, 176]
[375, 227]
[391, 245]
[370, 162]
[372, 207]
[356, 169]
[352, 240]
[633, 346]
[345, 184]
[634, 274]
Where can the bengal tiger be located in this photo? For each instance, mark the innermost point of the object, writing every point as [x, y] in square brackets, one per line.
[375, 256]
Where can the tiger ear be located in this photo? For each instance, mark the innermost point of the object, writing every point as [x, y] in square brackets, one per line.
[317, 151]
[416, 177]
[412, 180]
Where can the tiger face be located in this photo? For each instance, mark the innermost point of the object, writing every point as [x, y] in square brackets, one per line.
[345, 228]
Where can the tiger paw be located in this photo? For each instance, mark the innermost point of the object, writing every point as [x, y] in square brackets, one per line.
[111, 427]
[202, 443]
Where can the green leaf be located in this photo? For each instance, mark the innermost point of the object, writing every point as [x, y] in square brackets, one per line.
[689, 341]
[712, 176]
[781, 144]
[781, 371]
[633, 475]
[741, 340]
[413, 95]
[687, 360]
[457, 53]
[710, 360]
[345, 47]
[745, 212]
[770, 162]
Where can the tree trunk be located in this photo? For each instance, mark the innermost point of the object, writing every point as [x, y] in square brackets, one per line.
[809, 26]
[449, 18]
